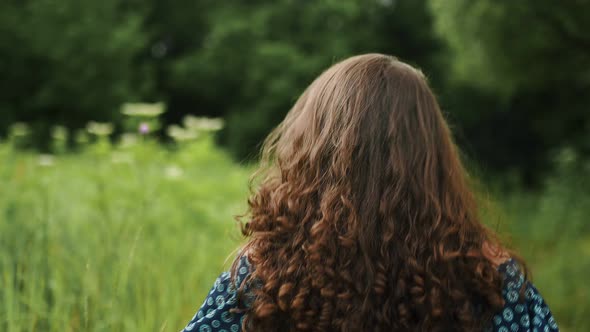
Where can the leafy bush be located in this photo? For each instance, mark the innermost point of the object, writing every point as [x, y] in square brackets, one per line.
[517, 75]
[68, 62]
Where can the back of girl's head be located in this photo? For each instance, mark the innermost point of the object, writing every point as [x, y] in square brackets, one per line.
[363, 219]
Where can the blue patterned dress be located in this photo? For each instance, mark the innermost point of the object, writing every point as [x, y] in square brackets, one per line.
[532, 314]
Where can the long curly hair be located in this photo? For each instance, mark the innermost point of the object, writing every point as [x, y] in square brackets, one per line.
[361, 217]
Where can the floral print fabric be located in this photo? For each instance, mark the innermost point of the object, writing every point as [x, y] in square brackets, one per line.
[528, 314]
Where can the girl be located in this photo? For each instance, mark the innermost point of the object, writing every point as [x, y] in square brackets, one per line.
[363, 221]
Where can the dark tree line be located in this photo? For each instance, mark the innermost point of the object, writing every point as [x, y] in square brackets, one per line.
[513, 76]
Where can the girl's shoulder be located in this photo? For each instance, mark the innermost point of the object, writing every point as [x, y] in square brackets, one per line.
[524, 308]
[221, 309]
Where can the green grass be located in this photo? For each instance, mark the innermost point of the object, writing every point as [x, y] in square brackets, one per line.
[114, 239]
[552, 232]
[131, 238]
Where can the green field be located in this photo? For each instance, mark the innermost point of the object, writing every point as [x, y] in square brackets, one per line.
[130, 238]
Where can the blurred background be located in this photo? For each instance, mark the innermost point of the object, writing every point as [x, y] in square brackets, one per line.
[129, 128]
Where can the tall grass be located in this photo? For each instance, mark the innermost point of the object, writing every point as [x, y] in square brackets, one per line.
[130, 237]
[551, 229]
[114, 239]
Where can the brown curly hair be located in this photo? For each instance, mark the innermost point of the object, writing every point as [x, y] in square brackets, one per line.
[362, 218]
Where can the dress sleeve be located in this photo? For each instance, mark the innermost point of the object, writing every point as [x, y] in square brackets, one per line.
[530, 313]
[214, 314]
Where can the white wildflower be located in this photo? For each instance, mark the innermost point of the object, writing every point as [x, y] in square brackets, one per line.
[59, 133]
[19, 129]
[173, 172]
[202, 124]
[46, 160]
[180, 134]
[143, 109]
[128, 140]
[99, 129]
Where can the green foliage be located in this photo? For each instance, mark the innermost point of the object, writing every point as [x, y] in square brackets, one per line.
[73, 62]
[255, 59]
[512, 75]
[524, 67]
[515, 45]
[552, 233]
[68, 62]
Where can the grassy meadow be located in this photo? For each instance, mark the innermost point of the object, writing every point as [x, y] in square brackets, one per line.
[130, 236]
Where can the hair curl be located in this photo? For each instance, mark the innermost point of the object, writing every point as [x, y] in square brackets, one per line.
[363, 219]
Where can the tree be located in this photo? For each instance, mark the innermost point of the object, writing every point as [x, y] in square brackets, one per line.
[68, 62]
[529, 64]
[250, 61]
